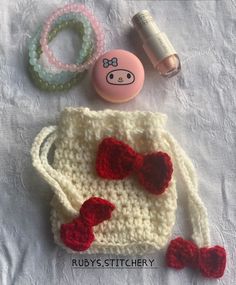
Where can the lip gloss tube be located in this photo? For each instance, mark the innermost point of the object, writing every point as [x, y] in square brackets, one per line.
[156, 45]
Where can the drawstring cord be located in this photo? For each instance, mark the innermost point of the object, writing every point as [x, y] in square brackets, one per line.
[61, 185]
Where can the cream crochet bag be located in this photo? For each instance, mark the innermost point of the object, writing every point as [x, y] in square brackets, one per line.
[141, 221]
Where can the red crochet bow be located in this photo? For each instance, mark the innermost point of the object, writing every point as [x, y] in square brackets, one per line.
[117, 160]
[78, 234]
[210, 261]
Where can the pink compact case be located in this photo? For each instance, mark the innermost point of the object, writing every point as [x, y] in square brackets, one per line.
[118, 76]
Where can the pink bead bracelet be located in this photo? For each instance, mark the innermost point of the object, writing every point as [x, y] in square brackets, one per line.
[98, 38]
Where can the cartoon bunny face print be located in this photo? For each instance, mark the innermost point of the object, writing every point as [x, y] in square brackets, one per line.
[118, 75]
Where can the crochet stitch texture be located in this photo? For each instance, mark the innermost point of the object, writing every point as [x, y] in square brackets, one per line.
[116, 160]
[141, 221]
[78, 234]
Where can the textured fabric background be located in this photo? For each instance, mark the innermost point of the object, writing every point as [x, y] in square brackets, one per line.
[200, 103]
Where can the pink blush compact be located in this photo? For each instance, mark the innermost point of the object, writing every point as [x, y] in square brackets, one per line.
[118, 76]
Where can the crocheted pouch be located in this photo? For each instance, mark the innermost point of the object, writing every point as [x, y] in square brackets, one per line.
[114, 182]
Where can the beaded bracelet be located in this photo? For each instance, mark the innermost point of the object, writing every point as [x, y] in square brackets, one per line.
[49, 81]
[35, 49]
[44, 85]
[99, 36]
